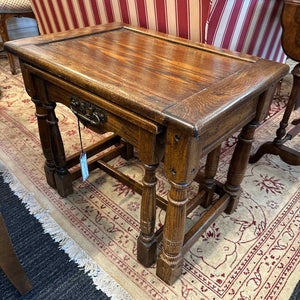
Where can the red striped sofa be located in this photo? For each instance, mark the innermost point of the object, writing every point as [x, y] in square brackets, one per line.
[183, 18]
[249, 26]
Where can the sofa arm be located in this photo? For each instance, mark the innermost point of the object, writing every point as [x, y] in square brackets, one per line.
[184, 18]
[250, 26]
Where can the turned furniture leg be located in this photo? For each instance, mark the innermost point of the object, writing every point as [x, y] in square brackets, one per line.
[10, 264]
[208, 182]
[276, 147]
[170, 260]
[49, 167]
[295, 93]
[238, 165]
[62, 176]
[147, 243]
[182, 156]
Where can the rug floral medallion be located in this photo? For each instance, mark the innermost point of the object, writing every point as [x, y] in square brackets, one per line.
[251, 254]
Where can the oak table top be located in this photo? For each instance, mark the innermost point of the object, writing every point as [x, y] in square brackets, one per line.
[160, 77]
[166, 96]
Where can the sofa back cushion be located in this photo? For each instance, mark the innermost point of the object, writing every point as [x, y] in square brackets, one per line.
[249, 26]
[184, 18]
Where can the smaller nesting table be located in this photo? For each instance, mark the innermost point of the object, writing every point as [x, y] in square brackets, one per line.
[166, 96]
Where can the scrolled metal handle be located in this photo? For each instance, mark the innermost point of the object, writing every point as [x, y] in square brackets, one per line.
[87, 112]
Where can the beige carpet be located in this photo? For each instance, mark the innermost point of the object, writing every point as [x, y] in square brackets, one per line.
[251, 254]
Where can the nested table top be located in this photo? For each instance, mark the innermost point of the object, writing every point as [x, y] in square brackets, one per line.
[160, 77]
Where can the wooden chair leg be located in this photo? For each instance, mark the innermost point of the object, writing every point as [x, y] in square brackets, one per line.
[10, 264]
[5, 38]
[4, 34]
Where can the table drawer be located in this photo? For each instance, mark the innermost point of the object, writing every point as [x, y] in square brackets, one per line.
[97, 113]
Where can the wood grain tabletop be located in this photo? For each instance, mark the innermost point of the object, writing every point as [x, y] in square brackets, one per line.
[163, 78]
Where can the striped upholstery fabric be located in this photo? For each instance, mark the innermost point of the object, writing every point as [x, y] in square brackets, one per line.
[184, 18]
[249, 26]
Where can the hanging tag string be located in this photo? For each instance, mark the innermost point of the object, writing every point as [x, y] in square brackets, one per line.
[79, 130]
[83, 158]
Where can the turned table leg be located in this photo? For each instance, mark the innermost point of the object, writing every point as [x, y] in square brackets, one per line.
[55, 167]
[238, 165]
[208, 182]
[170, 260]
[147, 243]
[182, 156]
[150, 152]
[62, 176]
[49, 167]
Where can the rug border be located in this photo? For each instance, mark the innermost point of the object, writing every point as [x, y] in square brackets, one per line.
[55, 227]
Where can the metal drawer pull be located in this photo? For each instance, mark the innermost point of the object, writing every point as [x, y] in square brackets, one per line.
[87, 112]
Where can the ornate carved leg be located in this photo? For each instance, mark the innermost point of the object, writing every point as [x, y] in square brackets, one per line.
[62, 179]
[238, 165]
[49, 167]
[211, 167]
[146, 245]
[276, 147]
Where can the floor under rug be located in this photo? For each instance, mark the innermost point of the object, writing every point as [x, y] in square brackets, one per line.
[251, 254]
[50, 271]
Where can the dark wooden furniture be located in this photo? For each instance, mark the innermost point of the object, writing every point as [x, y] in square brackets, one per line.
[10, 264]
[291, 46]
[166, 96]
[4, 34]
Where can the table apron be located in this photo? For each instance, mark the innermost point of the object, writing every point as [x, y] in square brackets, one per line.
[136, 130]
[236, 118]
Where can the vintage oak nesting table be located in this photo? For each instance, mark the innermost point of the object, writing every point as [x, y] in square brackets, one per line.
[168, 97]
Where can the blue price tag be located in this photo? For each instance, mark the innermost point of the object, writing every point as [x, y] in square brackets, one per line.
[84, 166]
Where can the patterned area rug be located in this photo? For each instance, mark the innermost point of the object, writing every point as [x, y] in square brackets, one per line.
[251, 254]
